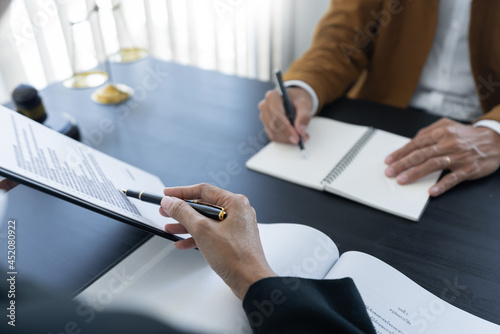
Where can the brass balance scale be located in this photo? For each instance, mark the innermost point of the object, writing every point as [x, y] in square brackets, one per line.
[112, 93]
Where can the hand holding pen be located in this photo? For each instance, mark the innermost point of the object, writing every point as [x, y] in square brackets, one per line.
[232, 247]
[276, 124]
[286, 122]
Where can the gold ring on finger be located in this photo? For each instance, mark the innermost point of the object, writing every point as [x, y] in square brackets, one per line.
[448, 162]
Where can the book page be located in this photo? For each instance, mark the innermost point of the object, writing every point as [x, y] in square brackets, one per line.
[364, 180]
[52, 160]
[179, 288]
[396, 304]
[330, 141]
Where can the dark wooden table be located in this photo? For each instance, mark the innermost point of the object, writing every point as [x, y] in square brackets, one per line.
[188, 126]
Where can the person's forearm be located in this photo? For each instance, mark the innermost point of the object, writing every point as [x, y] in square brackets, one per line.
[337, 57]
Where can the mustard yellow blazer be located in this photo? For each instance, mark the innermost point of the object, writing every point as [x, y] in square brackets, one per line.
[376, 49]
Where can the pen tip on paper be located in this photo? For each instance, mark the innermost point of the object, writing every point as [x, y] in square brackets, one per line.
[303, 148]
[124, 191]
[304, 154]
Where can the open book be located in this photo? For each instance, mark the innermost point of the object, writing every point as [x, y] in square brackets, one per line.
[179, 287]
[44, 159]
[347, 160]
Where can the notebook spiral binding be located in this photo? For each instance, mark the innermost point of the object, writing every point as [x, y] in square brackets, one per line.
[349, 157]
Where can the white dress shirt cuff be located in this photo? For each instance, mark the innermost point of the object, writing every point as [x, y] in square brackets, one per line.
[493, 125]
[307, 88]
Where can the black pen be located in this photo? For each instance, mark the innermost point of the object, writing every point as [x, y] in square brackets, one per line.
[206, 209]
[289, 110]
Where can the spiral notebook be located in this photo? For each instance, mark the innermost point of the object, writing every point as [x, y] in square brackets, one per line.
[347, 160]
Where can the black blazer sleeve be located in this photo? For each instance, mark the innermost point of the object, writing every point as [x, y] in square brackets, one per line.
[295, 305]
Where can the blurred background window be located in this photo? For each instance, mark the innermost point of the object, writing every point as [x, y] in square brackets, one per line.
[44, 41]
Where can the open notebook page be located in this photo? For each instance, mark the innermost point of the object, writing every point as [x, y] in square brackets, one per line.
[396, 304]
[52, 160]
[330, 141]
[364, 180]
[179, 287]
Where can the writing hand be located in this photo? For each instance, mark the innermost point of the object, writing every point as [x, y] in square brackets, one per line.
[468, 152]
[6, 184]
[232, 247]
[277, 125]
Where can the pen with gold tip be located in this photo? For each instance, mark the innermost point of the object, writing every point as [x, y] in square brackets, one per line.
[206, 209]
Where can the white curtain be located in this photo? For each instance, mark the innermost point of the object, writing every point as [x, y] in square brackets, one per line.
[43, 41]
